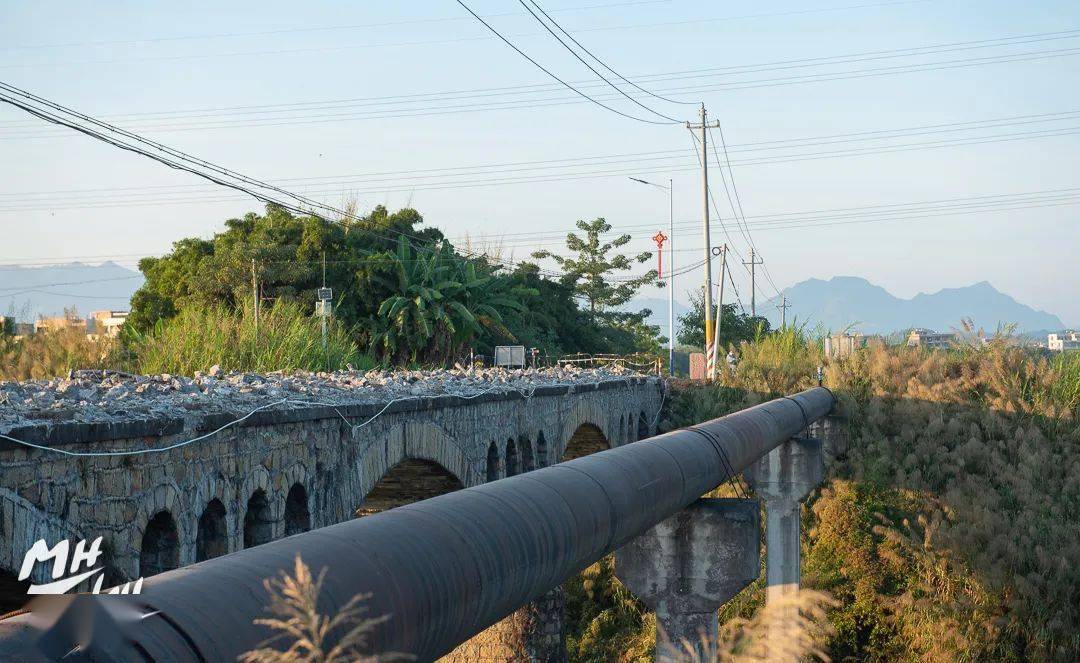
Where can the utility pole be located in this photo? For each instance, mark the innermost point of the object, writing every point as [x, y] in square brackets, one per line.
[719, 311]
[670, 190]
[753, 263]
[671, 278]
[704, 126]
[326, 352]
[255, 298]
[784, 306]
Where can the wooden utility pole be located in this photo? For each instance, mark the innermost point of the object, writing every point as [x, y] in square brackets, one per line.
[704, 126]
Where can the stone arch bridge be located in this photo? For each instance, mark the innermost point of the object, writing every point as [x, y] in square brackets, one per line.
[284, 471]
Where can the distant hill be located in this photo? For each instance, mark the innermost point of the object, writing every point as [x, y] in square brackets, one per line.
[30, 292]
[848, 301]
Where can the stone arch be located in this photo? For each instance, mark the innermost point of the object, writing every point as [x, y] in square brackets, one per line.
[622, 426]
[258, 520]
[160, 548]
[298, 476]
[642, 427]
[212, 535]
[588, 412]
[411, 480]
[525, 448]
[297, 512]
[416, 441]
[513, 464]
[587, 439]
[542, 459]
[492, 462]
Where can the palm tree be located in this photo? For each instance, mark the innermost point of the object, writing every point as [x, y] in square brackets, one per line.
[440, 301]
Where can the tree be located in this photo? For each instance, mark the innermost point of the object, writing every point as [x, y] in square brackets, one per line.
[734, 327]
[287, 251]
[590, 271]
[591, 275]
[438, 303]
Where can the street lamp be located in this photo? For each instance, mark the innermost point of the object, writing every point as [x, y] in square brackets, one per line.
[671, 268]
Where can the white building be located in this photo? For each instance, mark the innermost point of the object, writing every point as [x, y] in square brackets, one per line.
[1066, 340]
[841, 345]
[105, 323]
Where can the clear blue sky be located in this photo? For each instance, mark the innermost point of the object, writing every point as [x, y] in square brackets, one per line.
[156, 66]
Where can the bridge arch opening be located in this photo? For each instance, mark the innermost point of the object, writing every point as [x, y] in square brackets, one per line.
[629, 428]
[642, 427]
[258, 520]
[297, 516]
[411, 480]
[513, 468]
[492, 462]
[587, 439]
[528, 460]
[541, 450]
[12, 592]
[160, 550]
[212, 539]
[622, 426]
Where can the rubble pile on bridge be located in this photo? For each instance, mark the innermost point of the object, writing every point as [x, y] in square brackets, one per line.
[96, 396]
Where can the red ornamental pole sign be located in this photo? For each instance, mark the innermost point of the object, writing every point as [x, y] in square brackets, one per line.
[659, 238]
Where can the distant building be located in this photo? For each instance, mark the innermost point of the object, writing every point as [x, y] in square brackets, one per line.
[17, 329]
[1066, 340]
[928, 338]
[105, 323]
[58, 323]
[841, 345]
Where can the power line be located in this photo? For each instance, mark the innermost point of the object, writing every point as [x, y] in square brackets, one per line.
[427, 98]
[323, 49]
[328, 28]
[141, 199]
[548, 71]
[178, 160]
[738, 201]
[635, 158]
[598, 60]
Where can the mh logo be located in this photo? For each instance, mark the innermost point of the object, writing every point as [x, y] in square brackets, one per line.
[83, 557]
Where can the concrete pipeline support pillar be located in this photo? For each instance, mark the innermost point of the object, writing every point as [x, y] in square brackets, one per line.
[782, 479]
[689, 565]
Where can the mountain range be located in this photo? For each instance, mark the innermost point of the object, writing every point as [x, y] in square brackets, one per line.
[839, 303]
[844, 302]
[30, 292]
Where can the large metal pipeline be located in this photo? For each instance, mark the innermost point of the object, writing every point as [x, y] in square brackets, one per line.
[440, 570]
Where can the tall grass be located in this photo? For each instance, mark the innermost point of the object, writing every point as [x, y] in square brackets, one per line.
[287, 338]
[947, 529]
[777, 363]
[53, 354]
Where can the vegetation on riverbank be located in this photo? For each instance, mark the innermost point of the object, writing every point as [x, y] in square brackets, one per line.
[947, 527]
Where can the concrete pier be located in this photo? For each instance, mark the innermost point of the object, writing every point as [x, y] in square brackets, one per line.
[783, 478]
[689, 565]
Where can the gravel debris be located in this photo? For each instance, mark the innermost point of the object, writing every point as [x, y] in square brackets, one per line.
[111, 396]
